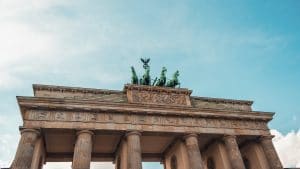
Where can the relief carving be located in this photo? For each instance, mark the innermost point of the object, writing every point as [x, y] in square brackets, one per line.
[78, 116]
[158, 95]
[142, 119]
[43, 116]
[60, 116]
[109, 117]
[158, 98]
[127, 118]
[92, 117]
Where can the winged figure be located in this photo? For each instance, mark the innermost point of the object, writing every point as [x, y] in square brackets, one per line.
[145, 62]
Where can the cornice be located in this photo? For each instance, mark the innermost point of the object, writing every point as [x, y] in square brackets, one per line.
[222, 100]
[91, 105]
[62, 89]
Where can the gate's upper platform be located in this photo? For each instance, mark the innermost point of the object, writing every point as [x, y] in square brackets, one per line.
[141, 94]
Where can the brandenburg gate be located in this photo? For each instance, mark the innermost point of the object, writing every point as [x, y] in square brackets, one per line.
[142, 123]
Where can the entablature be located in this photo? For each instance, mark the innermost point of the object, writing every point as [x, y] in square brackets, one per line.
[89, 105]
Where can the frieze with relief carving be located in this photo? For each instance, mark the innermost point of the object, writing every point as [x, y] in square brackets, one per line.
[141, 119]
[158, 98]
[158, 95]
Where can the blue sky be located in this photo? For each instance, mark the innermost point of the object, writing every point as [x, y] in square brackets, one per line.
[227, 49]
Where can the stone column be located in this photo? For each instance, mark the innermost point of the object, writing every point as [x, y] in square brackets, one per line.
[270, 152]
[193, 151]
[134, 152]
[24, 154]
[38, 155]
[233, 152]
[83, 150]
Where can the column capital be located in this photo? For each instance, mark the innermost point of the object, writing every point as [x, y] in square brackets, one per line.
[133, 133]
[229, 137]
[25, 150]
[190, 135]
[32, 130]
[84, 131]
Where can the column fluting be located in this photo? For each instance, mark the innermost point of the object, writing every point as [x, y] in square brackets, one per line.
[83, 150]
[194, 155]
[233, 152]
[24, 154]
[270, 152]
[134, 152]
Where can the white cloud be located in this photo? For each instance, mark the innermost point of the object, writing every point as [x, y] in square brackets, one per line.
[34, 42]
[8, 144]
[288, 147]
[23, 47]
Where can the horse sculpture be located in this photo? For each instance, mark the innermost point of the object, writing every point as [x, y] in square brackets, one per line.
[134, 78]
[162, 79]
[146, 80]
[174, 81]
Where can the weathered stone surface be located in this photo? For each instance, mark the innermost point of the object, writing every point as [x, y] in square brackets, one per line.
[79, 93]
[38, 158]
[24, 154]
[193, 151]
[163, 115]
[233, 151]
[134, 153]
[215, 154]
[83, 150]
[253, 156]
[222, 104]
[142, 119]
[158, 95]
[270, 152]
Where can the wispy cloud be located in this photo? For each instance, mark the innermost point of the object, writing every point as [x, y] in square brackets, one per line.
[8, 144]
[93, 44]
[34, 41]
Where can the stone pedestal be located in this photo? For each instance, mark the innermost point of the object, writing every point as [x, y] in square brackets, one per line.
[134, 152]
[191, 143]
[270, 152]
[234, 153]
[83, 150]
[25, 149]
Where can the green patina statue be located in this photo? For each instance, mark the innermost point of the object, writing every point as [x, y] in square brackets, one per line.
[134, 78]
[174, 81]
[162, 79]
[146, 79]
[145, 62]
